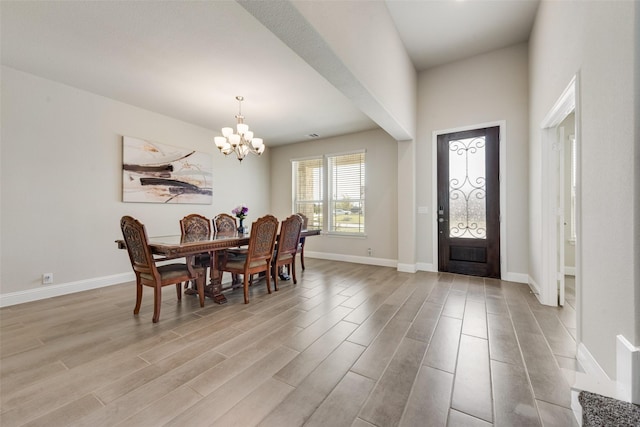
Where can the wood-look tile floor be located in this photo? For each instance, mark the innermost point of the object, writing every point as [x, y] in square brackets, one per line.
[349, 345]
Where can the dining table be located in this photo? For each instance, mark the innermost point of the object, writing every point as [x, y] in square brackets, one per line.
[180, 246]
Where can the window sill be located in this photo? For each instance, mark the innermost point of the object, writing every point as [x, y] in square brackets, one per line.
[347, 235]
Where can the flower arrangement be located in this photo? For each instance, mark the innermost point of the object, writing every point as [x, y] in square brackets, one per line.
[240, 211]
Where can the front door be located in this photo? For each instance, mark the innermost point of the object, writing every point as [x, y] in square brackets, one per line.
[469, 202]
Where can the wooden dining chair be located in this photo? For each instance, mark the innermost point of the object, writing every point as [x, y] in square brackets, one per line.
[225, 225]
[305, 224]
[286, 248]
[197, 227]
[259, 253]
[149, 274]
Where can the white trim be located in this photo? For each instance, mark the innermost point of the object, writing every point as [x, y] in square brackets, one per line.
[383, 262]
[550, 181]
[569, 271]
[407, 268]
[346, 153]
[515, 277]
[302, 159]
[595, 379]
[44, 292]
[425, 266]
[590, 364]
[535, 288]
[504, 250]
[628, 370]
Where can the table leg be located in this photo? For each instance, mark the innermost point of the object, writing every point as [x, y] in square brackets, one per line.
[214, 289]
[189, 289]
[200, 280]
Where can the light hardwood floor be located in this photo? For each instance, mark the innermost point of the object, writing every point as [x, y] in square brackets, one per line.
[349, 345]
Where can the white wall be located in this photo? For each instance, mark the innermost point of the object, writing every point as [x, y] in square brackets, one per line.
[598, 40]
[486, 88]
[356, 47]
[364, 37]
[61, 183]
[380, 193]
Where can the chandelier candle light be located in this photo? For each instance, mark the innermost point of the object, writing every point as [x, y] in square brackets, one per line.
[241, 142]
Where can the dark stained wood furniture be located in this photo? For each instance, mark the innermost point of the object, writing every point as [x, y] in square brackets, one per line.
[259, 253]
[224, 224]
[197, 227]
[287, 248]
[149, 274]
[305, 223]
[175, 246]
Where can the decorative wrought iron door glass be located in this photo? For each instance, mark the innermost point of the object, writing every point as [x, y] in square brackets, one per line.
[467, 188]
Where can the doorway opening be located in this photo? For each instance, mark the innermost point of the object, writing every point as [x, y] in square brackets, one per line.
[497, 213]
[469, 202]
[560, 150]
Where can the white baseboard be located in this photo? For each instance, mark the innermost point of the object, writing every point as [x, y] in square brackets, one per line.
[407, 268]
[534, 288]
[383, 262]
[590, 365]
[49, 291]
[423, 266]
[516, 277]
[595, 379]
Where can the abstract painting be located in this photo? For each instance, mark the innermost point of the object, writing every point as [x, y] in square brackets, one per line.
[159, 173]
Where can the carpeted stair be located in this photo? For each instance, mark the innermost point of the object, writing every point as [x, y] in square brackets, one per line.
[599, 411]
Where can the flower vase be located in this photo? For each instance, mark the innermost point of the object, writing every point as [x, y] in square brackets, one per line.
[241, 227]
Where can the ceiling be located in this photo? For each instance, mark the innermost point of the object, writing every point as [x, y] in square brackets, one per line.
[189, 60]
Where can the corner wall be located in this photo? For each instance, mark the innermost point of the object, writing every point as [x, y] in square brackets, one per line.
[61, 184]
[596, 39]
[380, 195]
[482, 89]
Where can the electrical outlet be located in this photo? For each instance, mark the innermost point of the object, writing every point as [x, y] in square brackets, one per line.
[369, 251]
[47, 278]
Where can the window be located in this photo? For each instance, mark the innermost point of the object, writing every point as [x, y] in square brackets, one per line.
[342, 210]
[307, 193]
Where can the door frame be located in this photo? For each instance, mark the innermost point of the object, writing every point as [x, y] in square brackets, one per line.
[551, 213]
[502, 124]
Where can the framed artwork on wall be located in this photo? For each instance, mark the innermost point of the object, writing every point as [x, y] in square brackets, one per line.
[159, 173]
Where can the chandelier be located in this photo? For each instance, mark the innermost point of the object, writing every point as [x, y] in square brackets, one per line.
[242, 141]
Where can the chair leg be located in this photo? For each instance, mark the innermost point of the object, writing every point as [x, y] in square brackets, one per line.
[245, 286]
[302, 257]
[293, 270]
[200, 285]
[157, 300]
[268, 278]
[274, 275]
[179, 291]
[136, 309]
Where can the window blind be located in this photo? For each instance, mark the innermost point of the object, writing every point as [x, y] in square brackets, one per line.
[346, 192]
